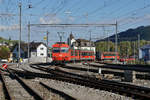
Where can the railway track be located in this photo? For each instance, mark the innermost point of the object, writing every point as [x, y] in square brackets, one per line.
[16, 89]
[116, 87]
[139, 68]
[45, 91]
[6, 93]
[62, 94]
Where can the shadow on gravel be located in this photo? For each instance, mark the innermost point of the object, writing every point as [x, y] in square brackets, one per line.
[31, 75]
[43, 64]
[80, 69]
[62, 94]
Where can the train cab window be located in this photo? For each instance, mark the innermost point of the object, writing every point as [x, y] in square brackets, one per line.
[56, 50]
[64, 49]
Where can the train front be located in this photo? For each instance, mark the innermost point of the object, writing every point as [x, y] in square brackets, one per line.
[60, 53]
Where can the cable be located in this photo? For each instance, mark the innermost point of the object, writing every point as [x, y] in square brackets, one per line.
[102, 7]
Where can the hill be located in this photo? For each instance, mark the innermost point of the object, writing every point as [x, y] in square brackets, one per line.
[3, 40]
[132, 34]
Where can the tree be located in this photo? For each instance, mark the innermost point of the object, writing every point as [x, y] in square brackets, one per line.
[4, 52]
[125, 48]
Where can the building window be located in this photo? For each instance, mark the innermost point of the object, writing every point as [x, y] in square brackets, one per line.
[41, 48]
[41, 54]
[33, 53]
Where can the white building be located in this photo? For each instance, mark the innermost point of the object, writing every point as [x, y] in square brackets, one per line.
[81, 44]
[38, 51]
[42, 50]
[144, 53]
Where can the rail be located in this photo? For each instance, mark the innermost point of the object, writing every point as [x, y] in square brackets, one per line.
[5, 88]
[33, 93]
[122, 88]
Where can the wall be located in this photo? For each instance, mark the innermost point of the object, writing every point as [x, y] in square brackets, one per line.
[42, 52]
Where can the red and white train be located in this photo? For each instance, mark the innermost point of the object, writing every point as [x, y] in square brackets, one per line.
[63, 53]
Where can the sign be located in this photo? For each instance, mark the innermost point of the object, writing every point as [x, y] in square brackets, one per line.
[45, 38]
[4, 66]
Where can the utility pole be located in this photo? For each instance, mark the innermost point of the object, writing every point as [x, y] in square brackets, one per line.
[90, 40]
[29, 42]
[47, 47]
[60, 34]
[19, 53]
[134, 51]
[116, 42]
[138, 44]
[108, 42]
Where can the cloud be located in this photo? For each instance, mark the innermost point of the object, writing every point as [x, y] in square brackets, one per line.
[50, 19]
[9, 28]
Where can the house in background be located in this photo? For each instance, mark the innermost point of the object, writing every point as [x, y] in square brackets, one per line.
[23, 51]
[38, 51]
[144, 53]
[82, 44]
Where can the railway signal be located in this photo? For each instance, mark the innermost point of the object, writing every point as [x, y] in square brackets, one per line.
[4, 66]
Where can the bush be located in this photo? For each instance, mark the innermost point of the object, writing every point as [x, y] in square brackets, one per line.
[4, 52]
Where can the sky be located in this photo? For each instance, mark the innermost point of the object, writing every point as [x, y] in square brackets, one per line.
[127, 13]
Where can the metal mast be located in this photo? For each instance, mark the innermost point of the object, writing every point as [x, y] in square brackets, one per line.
[19, 53]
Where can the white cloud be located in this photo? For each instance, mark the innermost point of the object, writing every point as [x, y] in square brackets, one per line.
[9, 28]
[50, 19]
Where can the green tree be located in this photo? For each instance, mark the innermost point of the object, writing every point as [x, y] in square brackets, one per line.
[101, 46]
[125, 49]
[4, 52]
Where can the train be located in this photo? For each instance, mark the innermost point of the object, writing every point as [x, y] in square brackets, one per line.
[107, 56]
[110, 56]
[62, 52]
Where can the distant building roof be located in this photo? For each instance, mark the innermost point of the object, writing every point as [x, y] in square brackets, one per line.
[34, 45]
[145, 47]
[82, 40]
[24, 46]
[83, 43]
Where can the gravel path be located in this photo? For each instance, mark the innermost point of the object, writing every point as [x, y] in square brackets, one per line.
[16, 90]
[45, 94]
[1, 92]
[83, 93]
[76, 91]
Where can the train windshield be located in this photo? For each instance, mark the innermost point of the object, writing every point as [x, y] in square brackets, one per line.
[63, 49]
